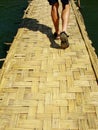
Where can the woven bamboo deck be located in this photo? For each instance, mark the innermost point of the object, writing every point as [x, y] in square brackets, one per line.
[43, 87]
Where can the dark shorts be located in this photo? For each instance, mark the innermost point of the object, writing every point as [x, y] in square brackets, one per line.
[51, 2]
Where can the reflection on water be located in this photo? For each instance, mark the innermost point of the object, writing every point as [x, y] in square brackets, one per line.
[11, 12]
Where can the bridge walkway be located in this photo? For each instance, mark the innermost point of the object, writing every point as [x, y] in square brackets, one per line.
[43, 87]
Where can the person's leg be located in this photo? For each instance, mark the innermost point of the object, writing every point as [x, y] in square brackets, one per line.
[55, 16]
[65, 16]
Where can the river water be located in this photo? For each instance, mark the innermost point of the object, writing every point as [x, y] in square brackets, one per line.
[89, 10]
[11, 12]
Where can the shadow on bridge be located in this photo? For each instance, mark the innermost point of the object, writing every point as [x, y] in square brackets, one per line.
[34, 25]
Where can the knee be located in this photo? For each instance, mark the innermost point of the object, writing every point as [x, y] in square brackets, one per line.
[67, 6]
[55, 6]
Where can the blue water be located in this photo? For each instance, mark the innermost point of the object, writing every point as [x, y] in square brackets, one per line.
[11, 13]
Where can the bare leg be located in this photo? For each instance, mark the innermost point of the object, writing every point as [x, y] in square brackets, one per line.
[65, 17]
[55, 16]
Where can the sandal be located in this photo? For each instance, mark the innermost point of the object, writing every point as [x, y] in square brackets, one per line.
[64, 40]
[56, 36]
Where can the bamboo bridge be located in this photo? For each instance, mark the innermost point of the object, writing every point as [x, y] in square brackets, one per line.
[43, 87]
